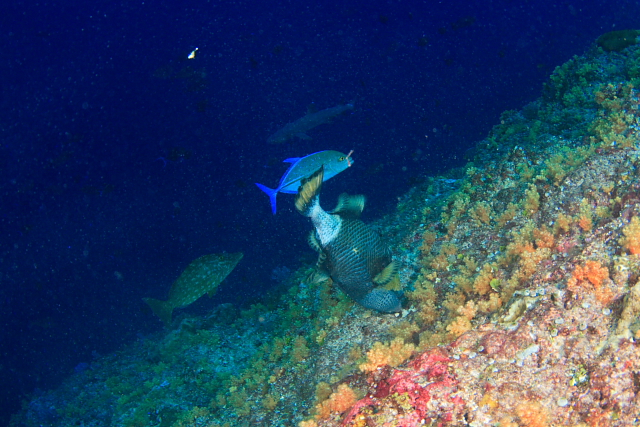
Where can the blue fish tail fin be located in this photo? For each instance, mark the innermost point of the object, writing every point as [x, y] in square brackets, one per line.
[162, 309]
[272, 195]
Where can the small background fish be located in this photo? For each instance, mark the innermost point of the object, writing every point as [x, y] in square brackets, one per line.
[200, 277]
[334, 162]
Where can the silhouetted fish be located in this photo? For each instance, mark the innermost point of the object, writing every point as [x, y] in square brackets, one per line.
[200, 277]
[351, 253]
[334, 162]
[300, 127]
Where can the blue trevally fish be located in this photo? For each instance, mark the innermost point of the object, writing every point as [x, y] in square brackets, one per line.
[306, 123]
[334, 162]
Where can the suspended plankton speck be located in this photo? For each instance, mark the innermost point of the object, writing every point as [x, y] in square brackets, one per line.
[192, 54]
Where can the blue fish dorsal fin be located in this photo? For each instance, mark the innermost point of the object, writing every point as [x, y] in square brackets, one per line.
[292, 160]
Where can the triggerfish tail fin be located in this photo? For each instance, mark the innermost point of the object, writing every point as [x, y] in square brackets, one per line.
[272, 195]
[308, 192]
[162, 309]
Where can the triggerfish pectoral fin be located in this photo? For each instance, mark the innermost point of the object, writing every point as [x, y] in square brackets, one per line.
[162, 309]
[386, 275]
[272, 195]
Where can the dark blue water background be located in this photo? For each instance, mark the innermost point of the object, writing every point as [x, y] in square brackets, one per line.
[121, 160]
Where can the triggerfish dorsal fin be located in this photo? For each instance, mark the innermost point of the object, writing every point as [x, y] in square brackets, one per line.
[349, 207]
[308, 192]
[386, 275]
[272, 193]
[162, 309]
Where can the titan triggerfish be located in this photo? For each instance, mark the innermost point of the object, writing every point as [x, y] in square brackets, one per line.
[351, 253]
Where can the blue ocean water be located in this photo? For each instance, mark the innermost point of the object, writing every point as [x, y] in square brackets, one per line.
[122, 160]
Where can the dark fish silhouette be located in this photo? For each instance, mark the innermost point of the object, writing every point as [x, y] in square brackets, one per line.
[351, 253]
[300, 127]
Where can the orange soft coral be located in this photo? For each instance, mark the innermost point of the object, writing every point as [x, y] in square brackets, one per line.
[631, 239]
[339, 401]
[532, 414]
[592, 271]
[459, 326]
[462, 323]
[392, 354]
[481, 213]
[543, 237]
[595, 273]
[585, 222]
[492, 304]
[482, 282]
